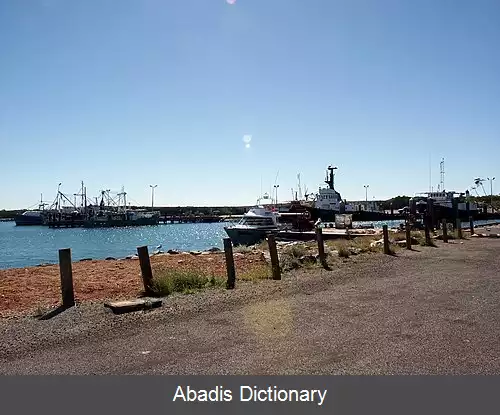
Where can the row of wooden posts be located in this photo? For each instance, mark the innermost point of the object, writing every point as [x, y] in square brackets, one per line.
[65, 263]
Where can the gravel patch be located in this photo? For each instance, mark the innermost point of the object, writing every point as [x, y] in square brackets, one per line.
[428, 311]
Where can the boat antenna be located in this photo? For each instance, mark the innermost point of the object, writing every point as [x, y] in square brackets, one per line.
[300, 188]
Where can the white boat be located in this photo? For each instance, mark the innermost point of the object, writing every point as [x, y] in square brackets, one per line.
[327, 202]
[254, 226]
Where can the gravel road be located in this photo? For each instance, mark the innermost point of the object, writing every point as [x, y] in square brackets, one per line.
[430, 311]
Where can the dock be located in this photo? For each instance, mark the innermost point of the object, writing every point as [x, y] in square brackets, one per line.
[190, 219]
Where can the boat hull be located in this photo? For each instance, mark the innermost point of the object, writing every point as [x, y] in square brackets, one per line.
[242, 236]
[22, 220]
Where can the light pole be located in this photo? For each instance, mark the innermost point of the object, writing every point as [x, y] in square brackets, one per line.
[366, 186]
[153, 195]
[276, 192]
[491, 191]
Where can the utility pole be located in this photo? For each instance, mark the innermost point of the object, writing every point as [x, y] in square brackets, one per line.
[491, 191]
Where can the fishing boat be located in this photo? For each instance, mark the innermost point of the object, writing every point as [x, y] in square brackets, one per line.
[254, 226]
[36, 217]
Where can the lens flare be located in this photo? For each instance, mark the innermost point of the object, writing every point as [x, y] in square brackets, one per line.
[231, 1]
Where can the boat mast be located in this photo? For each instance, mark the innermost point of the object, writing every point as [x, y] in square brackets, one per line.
[330, 177]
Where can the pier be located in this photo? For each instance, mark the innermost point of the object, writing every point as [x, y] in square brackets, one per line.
[190, 219]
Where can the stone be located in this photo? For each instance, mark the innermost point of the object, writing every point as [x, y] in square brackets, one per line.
[238, 255]
[206, 253]
[180, 261]
[213, 249]
[195, 252]
[354, 251]
[85, 259]
[380, 242]
[110, 258]
[120, 307]
[307, 258]
[172, 252]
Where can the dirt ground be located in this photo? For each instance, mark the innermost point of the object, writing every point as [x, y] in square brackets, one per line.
[433, 310]
[24, 290]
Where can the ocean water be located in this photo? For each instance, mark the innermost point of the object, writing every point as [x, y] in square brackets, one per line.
[22, 246]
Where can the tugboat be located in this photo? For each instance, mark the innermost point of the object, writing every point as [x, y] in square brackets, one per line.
[254, 226]
[327, 202]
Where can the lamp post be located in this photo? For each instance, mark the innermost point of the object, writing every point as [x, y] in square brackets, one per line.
[153, 195]
[276, 192]
[491, 191]
[366, 186]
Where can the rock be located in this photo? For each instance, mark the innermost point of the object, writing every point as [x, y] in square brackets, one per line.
[206, 253]
[195, 252]
[354, 251]
[213, 249]
[180, 261]
[85, 259]
[110, 258]
[172, 252]
[238, 255]
[380, 242]
[307, 258]
[44, 264]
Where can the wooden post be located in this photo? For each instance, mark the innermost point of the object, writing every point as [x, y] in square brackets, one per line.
[146, 272]
[471, 224]
[445, 231]
[408, 235]
[231, 272]
[321, 245]
[385, 231]
[271, 240]
[432, 213]
[459, 228]
[456, 215]
[427, 231]
[66, 271]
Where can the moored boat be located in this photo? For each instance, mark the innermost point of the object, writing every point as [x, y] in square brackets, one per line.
[254, 226]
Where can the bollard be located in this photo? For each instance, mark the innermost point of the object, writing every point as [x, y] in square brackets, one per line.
[231, 272]
[271, 240]
[471, 224]
[66, 271]
[445, 231]
[386, 240]
[408, 235]
[146, 272]
[321, 246]
[459, 228]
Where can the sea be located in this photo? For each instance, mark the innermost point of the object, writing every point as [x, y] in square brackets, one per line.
[24, 246]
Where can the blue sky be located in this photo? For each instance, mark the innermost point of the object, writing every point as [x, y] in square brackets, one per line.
[132, 93]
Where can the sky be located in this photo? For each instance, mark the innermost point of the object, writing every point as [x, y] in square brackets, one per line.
[216, 101]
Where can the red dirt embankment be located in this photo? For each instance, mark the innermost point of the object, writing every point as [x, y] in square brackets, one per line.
[27, 289]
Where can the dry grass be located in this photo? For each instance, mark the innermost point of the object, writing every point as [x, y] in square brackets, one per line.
[261, 272]
[167, 281]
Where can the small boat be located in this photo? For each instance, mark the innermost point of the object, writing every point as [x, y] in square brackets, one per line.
[254, 226]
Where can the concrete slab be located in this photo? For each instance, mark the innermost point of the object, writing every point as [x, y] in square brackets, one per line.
[120, 307]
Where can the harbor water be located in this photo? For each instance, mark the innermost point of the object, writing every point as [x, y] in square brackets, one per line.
[24, 246]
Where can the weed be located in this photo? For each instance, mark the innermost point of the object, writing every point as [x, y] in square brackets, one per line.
[255, 273]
